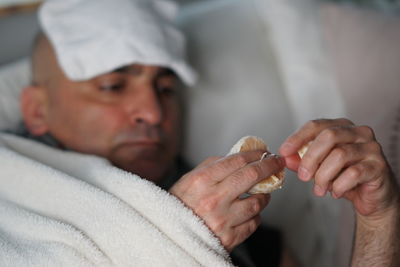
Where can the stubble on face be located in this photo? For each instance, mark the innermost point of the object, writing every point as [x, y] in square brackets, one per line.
[144, 150]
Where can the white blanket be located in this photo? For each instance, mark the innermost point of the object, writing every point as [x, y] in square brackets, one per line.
[62, 208]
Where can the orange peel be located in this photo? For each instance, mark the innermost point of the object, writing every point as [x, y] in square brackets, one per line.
[269, 184]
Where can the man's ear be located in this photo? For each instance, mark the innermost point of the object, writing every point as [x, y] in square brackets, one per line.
[33, 103]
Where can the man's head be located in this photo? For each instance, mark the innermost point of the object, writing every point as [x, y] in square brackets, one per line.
[130, 116]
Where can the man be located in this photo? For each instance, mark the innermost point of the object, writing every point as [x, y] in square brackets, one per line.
[130, 116]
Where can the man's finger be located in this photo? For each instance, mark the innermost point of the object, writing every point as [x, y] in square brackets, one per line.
[245, 178]
[293, 162]
[308, 133]
[327, 140]
[241, 233]
[218, 170]
[249, 207]
[353, 176]
[331, 167]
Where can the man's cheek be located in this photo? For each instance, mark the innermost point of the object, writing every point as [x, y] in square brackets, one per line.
[100, 125]
[103, 117]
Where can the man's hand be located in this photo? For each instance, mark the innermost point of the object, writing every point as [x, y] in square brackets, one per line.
[345, 160]
[212, 191]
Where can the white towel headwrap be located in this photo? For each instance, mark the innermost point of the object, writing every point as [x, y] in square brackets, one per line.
[93, 37]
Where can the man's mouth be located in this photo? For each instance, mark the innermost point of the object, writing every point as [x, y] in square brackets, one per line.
[143, 143]
[140, 138]
[150, 143]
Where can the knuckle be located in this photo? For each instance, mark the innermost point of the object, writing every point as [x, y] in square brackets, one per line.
[253, 225]
[208, 162]
[200, 179]
[339, 154]
[207, 204]
[218, 225]
[240, 160]
[329, 134]
[228, 240]
[380, 164]
[313, 124]
[255, 206]
[375, 148]
[345, 121]
[354, 172]
[253, 172]
[367, 131]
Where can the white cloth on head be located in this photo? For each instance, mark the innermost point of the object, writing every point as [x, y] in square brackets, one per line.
[93, 37]
[61, 208]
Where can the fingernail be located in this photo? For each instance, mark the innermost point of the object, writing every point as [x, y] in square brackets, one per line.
[303, 174]
[319, 191]
[280, 159]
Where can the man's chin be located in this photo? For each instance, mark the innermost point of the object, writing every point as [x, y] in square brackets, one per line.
[148, 170]
[147, 162]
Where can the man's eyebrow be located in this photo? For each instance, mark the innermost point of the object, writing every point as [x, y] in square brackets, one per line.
[122, 69]
[161, 71]
[167, 72]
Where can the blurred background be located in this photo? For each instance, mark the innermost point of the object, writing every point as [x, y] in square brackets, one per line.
[266, 67]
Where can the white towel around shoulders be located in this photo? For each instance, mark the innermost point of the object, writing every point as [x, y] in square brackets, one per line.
[62, 208]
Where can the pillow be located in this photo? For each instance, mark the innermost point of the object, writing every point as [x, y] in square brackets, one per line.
[17, 33]
[13, 78]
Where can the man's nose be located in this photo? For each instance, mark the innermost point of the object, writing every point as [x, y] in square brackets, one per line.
[143, 105]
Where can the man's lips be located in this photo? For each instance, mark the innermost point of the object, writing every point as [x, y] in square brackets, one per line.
[149, 143]
[141, 144]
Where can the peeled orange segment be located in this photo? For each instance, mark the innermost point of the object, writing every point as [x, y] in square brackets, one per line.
[303, 150]
[269, 184]
[248, 143]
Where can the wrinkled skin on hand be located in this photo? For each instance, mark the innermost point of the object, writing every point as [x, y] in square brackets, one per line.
[347, 161]
[213, 191]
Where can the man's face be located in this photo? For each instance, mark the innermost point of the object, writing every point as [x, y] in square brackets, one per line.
[130, 116]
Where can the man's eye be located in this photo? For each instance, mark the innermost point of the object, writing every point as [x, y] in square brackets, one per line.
[117, 87]
[166, 90]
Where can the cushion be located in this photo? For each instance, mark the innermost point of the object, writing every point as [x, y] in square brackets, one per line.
[17, 33]
[13, 78]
